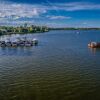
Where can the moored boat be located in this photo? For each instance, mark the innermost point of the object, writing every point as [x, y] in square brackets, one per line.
[8, 44]
[34, 41]
[28, 44]
[14, 44]
[94, 45]
[2, 43]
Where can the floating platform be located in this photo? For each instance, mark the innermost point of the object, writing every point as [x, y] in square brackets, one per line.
[94, 45]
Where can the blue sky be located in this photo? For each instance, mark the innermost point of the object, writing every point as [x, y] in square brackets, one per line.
[54, 13]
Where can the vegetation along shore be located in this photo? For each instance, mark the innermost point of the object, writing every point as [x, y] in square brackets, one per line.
[7, 30]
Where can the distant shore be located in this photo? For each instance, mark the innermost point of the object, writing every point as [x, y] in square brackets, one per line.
[8, 30]
[74, 28]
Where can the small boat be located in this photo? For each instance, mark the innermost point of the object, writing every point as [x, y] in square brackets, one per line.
[14, 44]
[2, 43]
[78, 32]
[34, 41]
[94, 45]
[28, 44]
[8, 44]
[21, 44]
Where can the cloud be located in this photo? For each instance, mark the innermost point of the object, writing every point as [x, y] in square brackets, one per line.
[58, 17]
[84, 23]
[16, 11]
[78, 6]
[72, 6]
[10, 11]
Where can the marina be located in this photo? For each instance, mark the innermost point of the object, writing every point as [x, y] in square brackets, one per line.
[19, 42]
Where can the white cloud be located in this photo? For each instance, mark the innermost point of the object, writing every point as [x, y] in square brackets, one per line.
[16, 11]
[74, 6]
[79, 6]
[10, 11]
[58, 17]
[84, 23]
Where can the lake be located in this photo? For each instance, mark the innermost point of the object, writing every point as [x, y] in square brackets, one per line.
[61, 67]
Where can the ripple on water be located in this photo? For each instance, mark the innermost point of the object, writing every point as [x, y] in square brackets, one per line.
[60, 68]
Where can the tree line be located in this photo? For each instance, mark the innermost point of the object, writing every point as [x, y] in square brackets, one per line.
[22, 29]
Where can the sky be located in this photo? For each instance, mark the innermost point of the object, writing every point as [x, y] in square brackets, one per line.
[52, 13]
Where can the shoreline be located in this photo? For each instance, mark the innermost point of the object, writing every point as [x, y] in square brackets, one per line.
[8, 30]
[74, 28]
[36, 29]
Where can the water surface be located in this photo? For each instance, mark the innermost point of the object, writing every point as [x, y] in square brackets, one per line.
[61, 67]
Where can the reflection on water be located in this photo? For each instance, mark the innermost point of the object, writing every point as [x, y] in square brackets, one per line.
[16, 51]
[62, 67]
[94, 50]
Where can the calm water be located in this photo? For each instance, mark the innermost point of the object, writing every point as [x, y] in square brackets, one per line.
[61, 67]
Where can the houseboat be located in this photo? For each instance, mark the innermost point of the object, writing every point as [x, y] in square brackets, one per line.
[94, 45]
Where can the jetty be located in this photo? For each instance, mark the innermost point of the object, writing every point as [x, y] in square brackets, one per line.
[24, 42]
